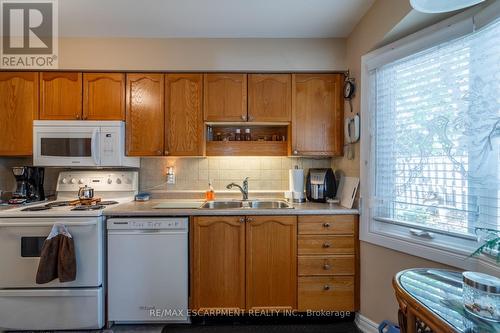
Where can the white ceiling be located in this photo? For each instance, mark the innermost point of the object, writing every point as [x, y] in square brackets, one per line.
[210, 18]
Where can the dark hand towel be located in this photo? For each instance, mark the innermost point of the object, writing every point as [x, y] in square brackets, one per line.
[57, 259]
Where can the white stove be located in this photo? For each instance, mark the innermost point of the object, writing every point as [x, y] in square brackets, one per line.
[25, 305]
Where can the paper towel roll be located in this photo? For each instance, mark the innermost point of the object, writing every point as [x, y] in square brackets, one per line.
[296, 180]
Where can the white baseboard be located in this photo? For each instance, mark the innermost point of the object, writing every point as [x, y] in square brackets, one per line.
[365, 325]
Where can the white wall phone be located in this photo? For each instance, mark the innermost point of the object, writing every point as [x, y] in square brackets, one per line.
[351, 129]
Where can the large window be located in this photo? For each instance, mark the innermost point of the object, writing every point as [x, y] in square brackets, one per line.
[434, 158]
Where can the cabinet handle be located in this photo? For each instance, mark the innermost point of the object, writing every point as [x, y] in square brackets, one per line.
[244, 117]
[326, 245]
[295, 152]
[166, 152]
[326, 225]
[250, 117]
[158, 152]
[326, 287]
[326, 267]
[242, 219]
[77, 116]
[249, 219]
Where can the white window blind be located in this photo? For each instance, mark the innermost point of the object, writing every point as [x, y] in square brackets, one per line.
[437, 136]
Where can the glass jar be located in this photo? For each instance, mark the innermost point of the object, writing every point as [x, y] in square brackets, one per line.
[481, 295]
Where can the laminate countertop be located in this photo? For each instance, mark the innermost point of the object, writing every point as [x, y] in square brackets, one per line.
[147, 208]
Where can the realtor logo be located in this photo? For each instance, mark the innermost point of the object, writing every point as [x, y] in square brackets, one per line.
[29, 34]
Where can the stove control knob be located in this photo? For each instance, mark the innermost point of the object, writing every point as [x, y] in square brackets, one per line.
[64, 181]
[80, 181]
[118, 181]
[128, 181]
[109, 181]
[73, 181]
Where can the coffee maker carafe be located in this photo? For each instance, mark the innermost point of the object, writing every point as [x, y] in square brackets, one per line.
[29, 184]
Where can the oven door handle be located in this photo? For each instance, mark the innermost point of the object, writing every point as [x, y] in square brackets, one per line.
[45, 224]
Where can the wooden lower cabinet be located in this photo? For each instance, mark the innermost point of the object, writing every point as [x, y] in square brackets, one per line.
[328, 261]
[258, 263]
[218, 263]
[271, 244]
[326, 293]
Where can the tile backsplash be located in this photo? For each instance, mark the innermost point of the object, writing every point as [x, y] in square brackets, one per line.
[266, 173]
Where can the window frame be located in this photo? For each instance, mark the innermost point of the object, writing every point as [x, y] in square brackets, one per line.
[445, 248]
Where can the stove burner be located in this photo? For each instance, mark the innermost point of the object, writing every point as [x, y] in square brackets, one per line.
[108, 202]
[35, 209]
[17, 201]
[88, 207]
[57, 204]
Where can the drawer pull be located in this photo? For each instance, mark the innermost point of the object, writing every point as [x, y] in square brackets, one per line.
[326, 225]
[326, 287]
[326, 267]
[326, 245]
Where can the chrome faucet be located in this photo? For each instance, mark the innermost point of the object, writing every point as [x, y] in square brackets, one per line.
[243, 190]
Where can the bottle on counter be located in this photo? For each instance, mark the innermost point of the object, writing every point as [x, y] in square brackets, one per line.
[248, 136]
[237, 136]
[210, 193]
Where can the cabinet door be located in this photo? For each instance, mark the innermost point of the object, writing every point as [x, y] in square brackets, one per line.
[145, 115]
[18, 108]
[184, 128]
[60, 95]
[269, 97]
[317, 114]
[225, 97]
[218, 263]
[271, 243]
[104, 96]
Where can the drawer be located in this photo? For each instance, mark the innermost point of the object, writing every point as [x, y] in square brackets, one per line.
[324, 225]
[327, 265]
[317, 244]
[326, 293]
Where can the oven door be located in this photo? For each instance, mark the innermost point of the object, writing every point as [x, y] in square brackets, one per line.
[76, 146]
[21, 241]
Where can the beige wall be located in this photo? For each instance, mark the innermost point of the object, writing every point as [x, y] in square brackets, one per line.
[378, 264]
[212, 54]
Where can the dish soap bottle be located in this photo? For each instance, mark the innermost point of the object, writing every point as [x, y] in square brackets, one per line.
[210, 193]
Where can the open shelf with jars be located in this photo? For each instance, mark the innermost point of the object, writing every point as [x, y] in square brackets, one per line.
[244, 139]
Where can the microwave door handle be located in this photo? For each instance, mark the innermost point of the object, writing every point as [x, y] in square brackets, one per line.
[95, 146]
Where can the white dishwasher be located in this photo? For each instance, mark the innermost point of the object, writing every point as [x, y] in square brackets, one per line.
[148, 270]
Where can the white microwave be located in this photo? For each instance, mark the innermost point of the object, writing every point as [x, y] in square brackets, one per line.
[80, 143]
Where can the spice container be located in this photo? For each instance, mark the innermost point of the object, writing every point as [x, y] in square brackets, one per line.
[248, 136]
[237, 136]
[481, 295]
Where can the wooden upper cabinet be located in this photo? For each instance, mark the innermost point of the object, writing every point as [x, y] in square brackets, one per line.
[271, 243]
[104, 96]
[269, 97]
[225, 97]
[218, 263]
[18, 108]
[145, 114]
[184, 127]
[317, 114]
[60, 95]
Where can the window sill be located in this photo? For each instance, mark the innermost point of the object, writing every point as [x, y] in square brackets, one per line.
[446, 250]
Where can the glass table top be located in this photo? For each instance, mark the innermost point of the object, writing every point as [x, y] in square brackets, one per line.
[440, 291]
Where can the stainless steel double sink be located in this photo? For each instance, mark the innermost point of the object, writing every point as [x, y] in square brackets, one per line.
[247, 204]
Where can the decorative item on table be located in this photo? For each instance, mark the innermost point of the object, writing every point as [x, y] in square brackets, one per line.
[481, 295]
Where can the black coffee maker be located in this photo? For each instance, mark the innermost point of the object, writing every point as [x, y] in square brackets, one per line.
[29, 184]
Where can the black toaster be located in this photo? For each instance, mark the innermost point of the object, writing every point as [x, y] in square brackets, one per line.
[320, 185]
